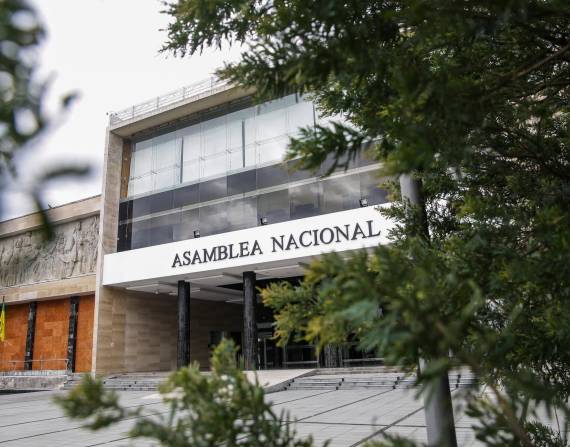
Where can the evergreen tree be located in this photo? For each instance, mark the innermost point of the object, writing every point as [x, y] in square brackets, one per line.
[472, 98]
[22, 115]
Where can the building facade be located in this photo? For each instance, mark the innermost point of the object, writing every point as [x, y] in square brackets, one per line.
[48, 286]
[199, 208]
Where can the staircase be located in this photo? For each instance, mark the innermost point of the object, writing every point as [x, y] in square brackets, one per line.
[126, 382]
[316, 383]
[381, 380]
[349, 379]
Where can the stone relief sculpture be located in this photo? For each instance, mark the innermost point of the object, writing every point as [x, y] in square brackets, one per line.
[28, 258]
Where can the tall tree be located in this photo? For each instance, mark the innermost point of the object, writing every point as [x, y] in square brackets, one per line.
[472, 97]
[22, 117]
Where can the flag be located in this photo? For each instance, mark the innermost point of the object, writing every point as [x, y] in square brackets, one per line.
[3, 322]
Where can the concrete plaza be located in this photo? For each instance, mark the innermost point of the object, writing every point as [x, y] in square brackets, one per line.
[346, 417]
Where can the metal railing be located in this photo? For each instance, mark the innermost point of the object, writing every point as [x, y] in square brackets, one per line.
[194, 91]
[20, 365]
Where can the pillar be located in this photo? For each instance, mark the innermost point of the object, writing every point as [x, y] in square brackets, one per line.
[183, 358]
[72, 334]
[249, 347]
[438, 408]
[332, 356]
[28, 364]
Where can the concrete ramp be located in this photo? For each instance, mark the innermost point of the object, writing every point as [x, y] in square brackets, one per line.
[273, 380]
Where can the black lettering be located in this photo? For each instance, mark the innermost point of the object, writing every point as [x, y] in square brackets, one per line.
[256, 249]
[331, 234]
[357, 231]
[277, 243]
[222, 252]
[176, 262]
[370, 234]
[291, 242]
[316, 234]
[244, 249]
[209, 256]
[196, 258]
[187, 258]
[304, 233]
[232, 254]
[345, 233]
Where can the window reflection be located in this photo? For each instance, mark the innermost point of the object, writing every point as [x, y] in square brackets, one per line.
[188, 223]
[328, 195]
[242, 213]
[213, 219]
[273, 206]
[254, 136]
[304, 200]
[340, 194]
[369, 188]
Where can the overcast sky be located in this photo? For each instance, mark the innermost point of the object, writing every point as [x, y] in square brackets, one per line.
[107, 51]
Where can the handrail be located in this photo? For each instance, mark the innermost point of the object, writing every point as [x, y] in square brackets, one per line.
[23, 363]
[155, 104]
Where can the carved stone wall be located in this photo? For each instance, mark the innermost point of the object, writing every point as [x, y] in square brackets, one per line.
[29, 258]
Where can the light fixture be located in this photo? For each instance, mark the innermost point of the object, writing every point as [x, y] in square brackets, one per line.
[363, 202]
[196, 233]
[263, 221]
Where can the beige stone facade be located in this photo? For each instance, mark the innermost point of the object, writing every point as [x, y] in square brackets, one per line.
[42, 280]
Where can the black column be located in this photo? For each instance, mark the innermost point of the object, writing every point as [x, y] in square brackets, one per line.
[30, 336]
[183, 358]
[249, 322]
[72, 335]
[332, 356]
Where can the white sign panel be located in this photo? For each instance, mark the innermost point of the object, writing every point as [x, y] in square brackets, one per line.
[346, 230]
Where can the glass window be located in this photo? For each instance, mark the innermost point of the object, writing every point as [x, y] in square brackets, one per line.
[124, 237]
[186, 195]
[214, 137]
[140, 235]
[141, 207]
[273, 149]
[166, 151]
[300, 114]
[273, 206]
[242, 182]
[370, 190]
[271, 129]
[190, 137]
[160, 202]
[141, 159]
[213, 219]
[296, 174]
[189, 222]
[125, 210]
[304, 200]
[242, 213]
[161, 228]
[213, 189]
[272, 176]
[339, 194]
[214, 165]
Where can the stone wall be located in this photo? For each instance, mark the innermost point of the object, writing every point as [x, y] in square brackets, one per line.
[28, 258]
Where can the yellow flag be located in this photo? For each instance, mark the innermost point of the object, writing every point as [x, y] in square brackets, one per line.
[3, 322]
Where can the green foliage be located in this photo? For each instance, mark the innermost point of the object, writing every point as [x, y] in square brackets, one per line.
[472, 97]
[219, 408]
[22, 118]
